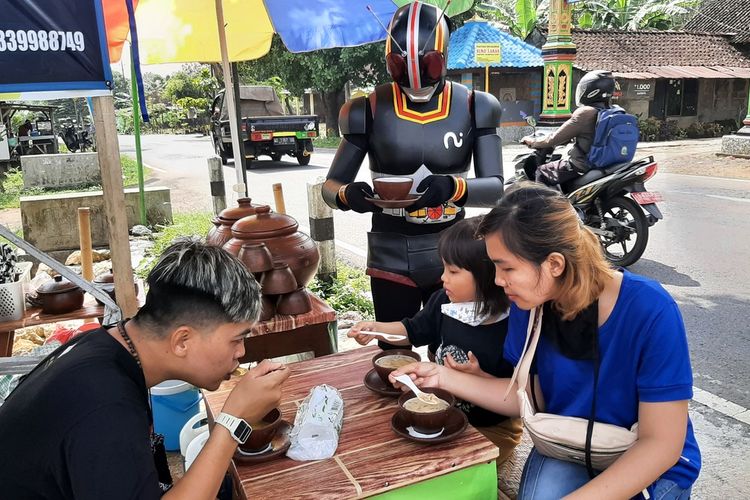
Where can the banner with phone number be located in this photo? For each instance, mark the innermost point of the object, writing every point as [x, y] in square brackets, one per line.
[52, 49]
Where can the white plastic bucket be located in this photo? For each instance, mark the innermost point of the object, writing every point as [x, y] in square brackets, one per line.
[197, 425]
[195, 447]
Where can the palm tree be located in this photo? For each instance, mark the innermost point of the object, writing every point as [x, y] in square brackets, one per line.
[632, 14]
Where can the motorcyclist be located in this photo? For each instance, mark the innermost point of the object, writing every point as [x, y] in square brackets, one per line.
[593, 93]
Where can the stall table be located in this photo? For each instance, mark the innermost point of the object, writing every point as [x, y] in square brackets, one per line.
[371, 460]
[283, 335]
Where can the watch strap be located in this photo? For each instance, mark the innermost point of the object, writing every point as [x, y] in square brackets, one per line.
[232, 424]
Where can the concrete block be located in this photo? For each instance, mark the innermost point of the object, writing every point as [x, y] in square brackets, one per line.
[60, 170]
[736, 145]
[50, 222]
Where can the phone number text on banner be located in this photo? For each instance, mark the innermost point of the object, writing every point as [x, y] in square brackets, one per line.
[53, 46]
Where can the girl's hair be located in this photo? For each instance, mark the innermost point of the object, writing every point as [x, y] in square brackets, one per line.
[534, 221]
[459, 247]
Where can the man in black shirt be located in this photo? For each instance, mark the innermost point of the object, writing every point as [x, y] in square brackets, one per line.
[78, 426]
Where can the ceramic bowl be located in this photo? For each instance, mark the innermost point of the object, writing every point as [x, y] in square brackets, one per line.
[267, 308]
[263, 432]
[279, 280]
[392, 188]
[256, 257]
[432, 422]
[384, 371]
[297, 302]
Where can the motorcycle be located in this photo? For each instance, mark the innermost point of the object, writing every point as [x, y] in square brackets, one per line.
[612, 202]
[76, 140]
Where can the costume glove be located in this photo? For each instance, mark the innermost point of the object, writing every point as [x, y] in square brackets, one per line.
[354, 197]
[437, 189]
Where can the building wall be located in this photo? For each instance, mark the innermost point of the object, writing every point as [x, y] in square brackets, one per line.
[722, 99]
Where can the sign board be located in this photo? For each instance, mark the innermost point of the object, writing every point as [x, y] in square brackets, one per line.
[487, 53]
[54, 47]
[639, 89]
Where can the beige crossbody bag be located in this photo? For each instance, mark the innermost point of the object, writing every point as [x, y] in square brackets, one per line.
[594, 444]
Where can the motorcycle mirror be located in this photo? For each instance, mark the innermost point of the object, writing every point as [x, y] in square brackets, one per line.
[531, 121]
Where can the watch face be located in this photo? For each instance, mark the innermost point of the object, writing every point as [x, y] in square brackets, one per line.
[242, 432]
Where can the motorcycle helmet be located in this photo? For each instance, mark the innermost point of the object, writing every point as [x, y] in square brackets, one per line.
[595, 86]
[416, 51]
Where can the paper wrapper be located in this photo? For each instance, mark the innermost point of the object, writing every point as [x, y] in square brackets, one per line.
[317, 425]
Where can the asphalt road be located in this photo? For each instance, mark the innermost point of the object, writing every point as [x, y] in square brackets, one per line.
[699, 251]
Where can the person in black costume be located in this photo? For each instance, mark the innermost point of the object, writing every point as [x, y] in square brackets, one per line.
[427, 128]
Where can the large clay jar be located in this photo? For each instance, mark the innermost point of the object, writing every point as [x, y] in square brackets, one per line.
[222, 230]
[279, 233]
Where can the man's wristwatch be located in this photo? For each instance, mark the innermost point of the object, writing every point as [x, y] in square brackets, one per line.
[238, 428]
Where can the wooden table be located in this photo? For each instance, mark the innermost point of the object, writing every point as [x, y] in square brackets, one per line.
[371, 460]
[34, 316]
[283, 335]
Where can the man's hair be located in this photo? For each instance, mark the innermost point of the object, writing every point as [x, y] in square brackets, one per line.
[198, 285]
[534, 221]
[458, 247]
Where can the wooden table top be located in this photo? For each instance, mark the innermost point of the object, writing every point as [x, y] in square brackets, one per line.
[370, 458]
[320, 313]
[34, 315]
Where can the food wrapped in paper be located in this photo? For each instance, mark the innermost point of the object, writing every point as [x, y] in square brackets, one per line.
[317, 426]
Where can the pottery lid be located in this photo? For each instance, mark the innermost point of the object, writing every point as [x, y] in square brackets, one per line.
[244, 209]
[57, 285]
[265, 223]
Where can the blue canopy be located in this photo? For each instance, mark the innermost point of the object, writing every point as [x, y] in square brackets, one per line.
[515, 52]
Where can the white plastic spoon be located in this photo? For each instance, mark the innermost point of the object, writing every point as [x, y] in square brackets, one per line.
[385, 336]
[425, 397]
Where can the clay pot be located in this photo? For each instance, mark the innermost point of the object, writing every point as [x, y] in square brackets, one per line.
[279, 233]
[256, 258]
[222, 230]
[278, 280]
[297, 302]
[106, 282]
[59, 296]
[267, 308]
[434, 421]
[263, 432]
[384, 371]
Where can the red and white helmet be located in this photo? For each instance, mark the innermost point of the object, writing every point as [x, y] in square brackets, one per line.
[416, 53]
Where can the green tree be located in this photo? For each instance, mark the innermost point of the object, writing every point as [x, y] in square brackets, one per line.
[632, 14]
[520, 17]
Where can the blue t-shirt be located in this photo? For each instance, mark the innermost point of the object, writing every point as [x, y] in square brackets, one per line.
[644, 357]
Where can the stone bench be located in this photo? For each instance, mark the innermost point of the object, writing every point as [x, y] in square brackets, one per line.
[60, 171]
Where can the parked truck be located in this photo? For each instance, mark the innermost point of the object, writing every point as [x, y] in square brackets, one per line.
[266, 127]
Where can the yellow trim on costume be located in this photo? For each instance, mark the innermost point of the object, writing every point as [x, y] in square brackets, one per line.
[401, 106]
[439, 38]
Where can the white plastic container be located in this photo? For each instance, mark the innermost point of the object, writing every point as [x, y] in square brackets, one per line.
[12, 301]
[197, 425]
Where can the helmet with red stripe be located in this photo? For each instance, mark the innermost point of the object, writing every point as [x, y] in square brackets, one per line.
[416, 55]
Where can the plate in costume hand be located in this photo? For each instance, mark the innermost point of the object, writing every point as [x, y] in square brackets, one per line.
[409, 200]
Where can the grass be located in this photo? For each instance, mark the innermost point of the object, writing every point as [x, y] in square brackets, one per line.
[184, 225]
[13, 184]
[326, 142]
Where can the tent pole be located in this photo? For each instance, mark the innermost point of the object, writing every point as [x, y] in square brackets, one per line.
[137, 132]
[114, 203]
[237, 146]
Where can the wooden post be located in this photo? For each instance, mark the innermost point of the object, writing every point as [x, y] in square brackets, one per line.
[487, 77]
[84, 243]
[278, 196]
[237, 147]
[114, 203]
[321, 230]
[216, 180]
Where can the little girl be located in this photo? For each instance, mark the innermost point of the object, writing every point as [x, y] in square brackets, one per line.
[464, 325]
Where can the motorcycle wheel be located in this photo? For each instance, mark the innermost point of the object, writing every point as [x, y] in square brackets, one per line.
[626, 219]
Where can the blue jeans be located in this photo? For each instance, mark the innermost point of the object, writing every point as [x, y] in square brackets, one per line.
[547, 478]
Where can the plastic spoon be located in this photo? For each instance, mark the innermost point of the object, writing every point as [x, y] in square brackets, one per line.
[385, 336]
[424, 397]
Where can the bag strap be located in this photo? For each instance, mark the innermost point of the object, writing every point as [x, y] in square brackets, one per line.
[521, 372]
[592, 417]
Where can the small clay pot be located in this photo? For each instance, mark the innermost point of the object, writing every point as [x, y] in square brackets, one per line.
[267, 307]
[256, 258]
[106, 282]
[59, 296]
[263, 432]
[392, 188]
[279, 280]
[297, 302]
[432, 422]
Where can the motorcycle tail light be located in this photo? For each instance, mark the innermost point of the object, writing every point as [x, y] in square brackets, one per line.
[650, 171]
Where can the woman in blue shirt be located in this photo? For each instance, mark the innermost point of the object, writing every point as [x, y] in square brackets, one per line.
[544, 256]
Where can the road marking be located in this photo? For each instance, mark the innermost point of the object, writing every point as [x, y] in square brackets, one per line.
[154, 168]
[707, 177]
[693, 193]
[723, 406]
